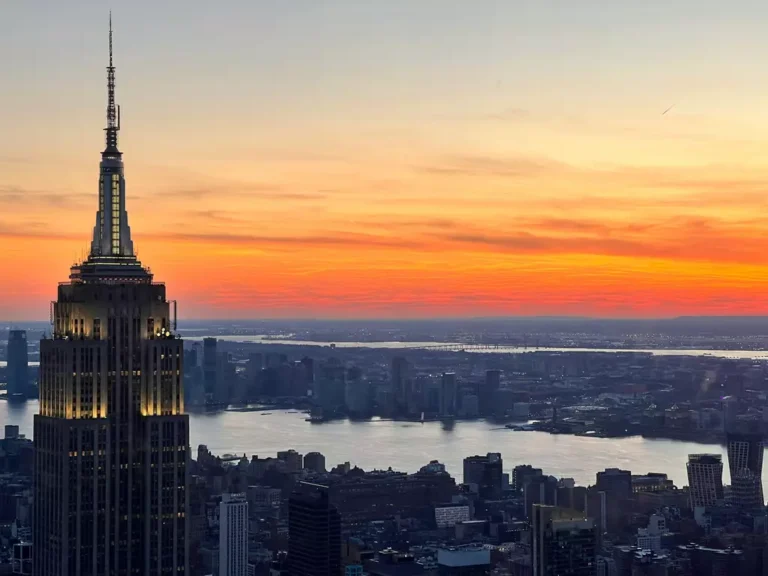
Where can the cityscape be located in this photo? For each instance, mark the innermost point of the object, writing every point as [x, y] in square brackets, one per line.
[139, 439]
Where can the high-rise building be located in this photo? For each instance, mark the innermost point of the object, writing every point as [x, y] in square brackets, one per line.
[486, 473]
[314, 532]
[705, 479]
[210, 369]
[293, 460]
[400, 380]
[563, 542]
[448, 393]
[18, 361]
[315, 462]
[111, 438]
[233, 535]
[540, 490]
[615, 483]
[488, 392]
[522, 474]
[745, 457]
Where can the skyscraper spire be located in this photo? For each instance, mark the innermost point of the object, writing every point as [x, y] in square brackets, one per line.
[113, 112]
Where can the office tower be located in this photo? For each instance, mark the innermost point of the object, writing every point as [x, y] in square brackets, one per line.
[488, 393]
[746, 490]
[198, 349]
[330, 386]
[486, 473]
[522, 474]
[310, 365]
[597, 510]
[399, 378]
[615, 483]
[111, 438]
[233, 535]
[18, 360]
[563, 542]
[705, 479]
[540, 490]
[293, 460]
[448, 391]
[210, 364]
[226, 379]
[253, 371]
[745, 455]
[315, 462]
[314, 533]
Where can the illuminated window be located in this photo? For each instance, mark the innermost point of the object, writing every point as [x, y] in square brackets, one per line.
[115, 214]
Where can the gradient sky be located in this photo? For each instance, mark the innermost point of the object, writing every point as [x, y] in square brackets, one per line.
[348, 158]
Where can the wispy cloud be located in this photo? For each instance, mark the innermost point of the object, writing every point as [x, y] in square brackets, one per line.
[17, 196]
[514, 167]
[259, 191]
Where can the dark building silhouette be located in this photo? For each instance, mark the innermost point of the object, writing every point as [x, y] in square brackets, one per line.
[488, 392]
[111, 438]
[614, 482]
[210, 364]
[563, 542]
[540, 490]
[314, 533]
[522, 474]
[17, 372]
[448, 394]
[400, 379]
[486, 472]
[315, 462]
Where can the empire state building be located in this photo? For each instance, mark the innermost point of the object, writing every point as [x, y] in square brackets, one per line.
[111, 438]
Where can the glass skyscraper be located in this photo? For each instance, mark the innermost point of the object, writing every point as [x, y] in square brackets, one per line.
[111, 438]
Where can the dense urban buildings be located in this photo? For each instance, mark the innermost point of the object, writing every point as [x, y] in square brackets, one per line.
[111, 439]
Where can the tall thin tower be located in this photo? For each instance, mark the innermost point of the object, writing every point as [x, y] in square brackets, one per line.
[111, 438]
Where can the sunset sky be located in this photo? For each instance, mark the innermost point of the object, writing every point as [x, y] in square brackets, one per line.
[398, 158]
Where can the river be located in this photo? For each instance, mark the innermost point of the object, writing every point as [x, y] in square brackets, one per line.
[407, 446]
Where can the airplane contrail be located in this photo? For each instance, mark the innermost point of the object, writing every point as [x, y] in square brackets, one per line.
[668, 109]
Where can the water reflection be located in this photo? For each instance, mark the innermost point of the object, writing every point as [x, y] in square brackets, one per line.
[407, 446]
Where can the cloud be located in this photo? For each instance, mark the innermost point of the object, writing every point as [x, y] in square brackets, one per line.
[17, 196]
[514, 167]
[340, 239]
[267, 192]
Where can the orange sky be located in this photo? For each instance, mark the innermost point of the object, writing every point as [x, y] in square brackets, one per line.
[400, 182]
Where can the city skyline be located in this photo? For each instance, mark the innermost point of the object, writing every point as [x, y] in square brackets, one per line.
[398, 159]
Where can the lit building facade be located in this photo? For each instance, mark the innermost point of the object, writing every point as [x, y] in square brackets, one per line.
[233, 535]
[111, 438]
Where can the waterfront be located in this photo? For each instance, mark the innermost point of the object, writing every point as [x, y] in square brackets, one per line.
[487, 349]
[407, 446]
